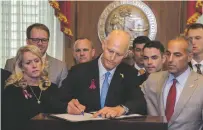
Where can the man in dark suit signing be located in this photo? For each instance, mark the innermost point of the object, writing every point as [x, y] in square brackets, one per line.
[105, 84]
[4, 76]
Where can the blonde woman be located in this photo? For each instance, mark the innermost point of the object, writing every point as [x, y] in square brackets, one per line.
[28, 91]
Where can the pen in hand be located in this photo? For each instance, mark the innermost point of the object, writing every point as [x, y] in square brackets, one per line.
[81, 111]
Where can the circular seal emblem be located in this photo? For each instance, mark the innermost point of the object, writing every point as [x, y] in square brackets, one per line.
[135, 17]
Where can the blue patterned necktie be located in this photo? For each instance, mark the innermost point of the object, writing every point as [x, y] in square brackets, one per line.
[104, 89]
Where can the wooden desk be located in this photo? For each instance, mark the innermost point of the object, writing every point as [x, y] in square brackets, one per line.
[43, 122]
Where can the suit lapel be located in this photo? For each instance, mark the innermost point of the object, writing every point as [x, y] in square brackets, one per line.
[114, 85]
[190, 64]
[186, 93]
[161, 84]
[48, 61]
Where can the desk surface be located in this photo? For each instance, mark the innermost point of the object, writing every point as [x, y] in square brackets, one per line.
[44, 122]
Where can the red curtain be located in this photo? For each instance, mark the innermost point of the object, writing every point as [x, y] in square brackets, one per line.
[194, 10]
[62, 12]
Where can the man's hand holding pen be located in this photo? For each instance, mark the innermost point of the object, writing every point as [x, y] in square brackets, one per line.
[74, 107]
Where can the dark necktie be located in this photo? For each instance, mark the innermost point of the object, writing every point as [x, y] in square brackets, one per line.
[198, 68]
[171, 99]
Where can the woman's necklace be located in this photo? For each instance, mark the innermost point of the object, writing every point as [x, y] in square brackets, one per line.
[38, 99]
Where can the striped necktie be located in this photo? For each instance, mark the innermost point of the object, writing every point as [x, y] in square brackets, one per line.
[198, 68]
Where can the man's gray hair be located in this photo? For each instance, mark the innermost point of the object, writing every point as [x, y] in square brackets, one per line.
[79, 39]
[188, 41]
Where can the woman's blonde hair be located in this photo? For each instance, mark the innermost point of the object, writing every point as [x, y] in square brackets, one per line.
[17, 75]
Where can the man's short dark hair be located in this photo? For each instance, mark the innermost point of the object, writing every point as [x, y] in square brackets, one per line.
[140, 40]
[37, 26]
[155, 44]
[194, 26]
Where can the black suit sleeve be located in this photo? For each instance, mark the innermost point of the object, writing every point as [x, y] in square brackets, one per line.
[66, 91]
[52, 101]
[135, 98]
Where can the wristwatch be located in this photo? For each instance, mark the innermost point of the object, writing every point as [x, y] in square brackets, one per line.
[126, 110]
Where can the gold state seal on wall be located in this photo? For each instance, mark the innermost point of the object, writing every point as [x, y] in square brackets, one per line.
[134, 17]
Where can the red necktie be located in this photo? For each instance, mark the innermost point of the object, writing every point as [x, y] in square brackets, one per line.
[171, 99]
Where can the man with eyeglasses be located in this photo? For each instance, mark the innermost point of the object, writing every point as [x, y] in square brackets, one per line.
[83, 50]
[38, 35]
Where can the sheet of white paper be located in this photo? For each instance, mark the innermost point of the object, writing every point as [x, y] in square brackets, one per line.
[87, 117]
[76, 118]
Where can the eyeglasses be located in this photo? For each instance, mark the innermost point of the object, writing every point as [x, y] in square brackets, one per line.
[37, 40]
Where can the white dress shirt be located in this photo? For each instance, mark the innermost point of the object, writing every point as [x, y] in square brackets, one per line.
[181, 80]
[193, 62]
[138, 68]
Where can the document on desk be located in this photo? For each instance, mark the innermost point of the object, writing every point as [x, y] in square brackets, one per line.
[88, 117]
[77, 118]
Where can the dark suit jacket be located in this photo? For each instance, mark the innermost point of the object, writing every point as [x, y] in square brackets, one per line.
[124, 88]
[142, 77]
[4, 76]
[190, 64]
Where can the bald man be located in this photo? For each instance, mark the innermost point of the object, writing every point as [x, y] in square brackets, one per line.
[105, 85]
[83, 50]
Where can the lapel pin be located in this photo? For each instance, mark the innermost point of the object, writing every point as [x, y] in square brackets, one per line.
[122, 75]
[92, 86]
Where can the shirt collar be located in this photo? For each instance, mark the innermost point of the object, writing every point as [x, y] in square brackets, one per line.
[181, 79]
[137, 67]
[193, 62]
[103, 70]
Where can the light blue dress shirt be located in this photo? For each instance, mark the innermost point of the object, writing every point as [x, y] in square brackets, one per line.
[181, 80]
